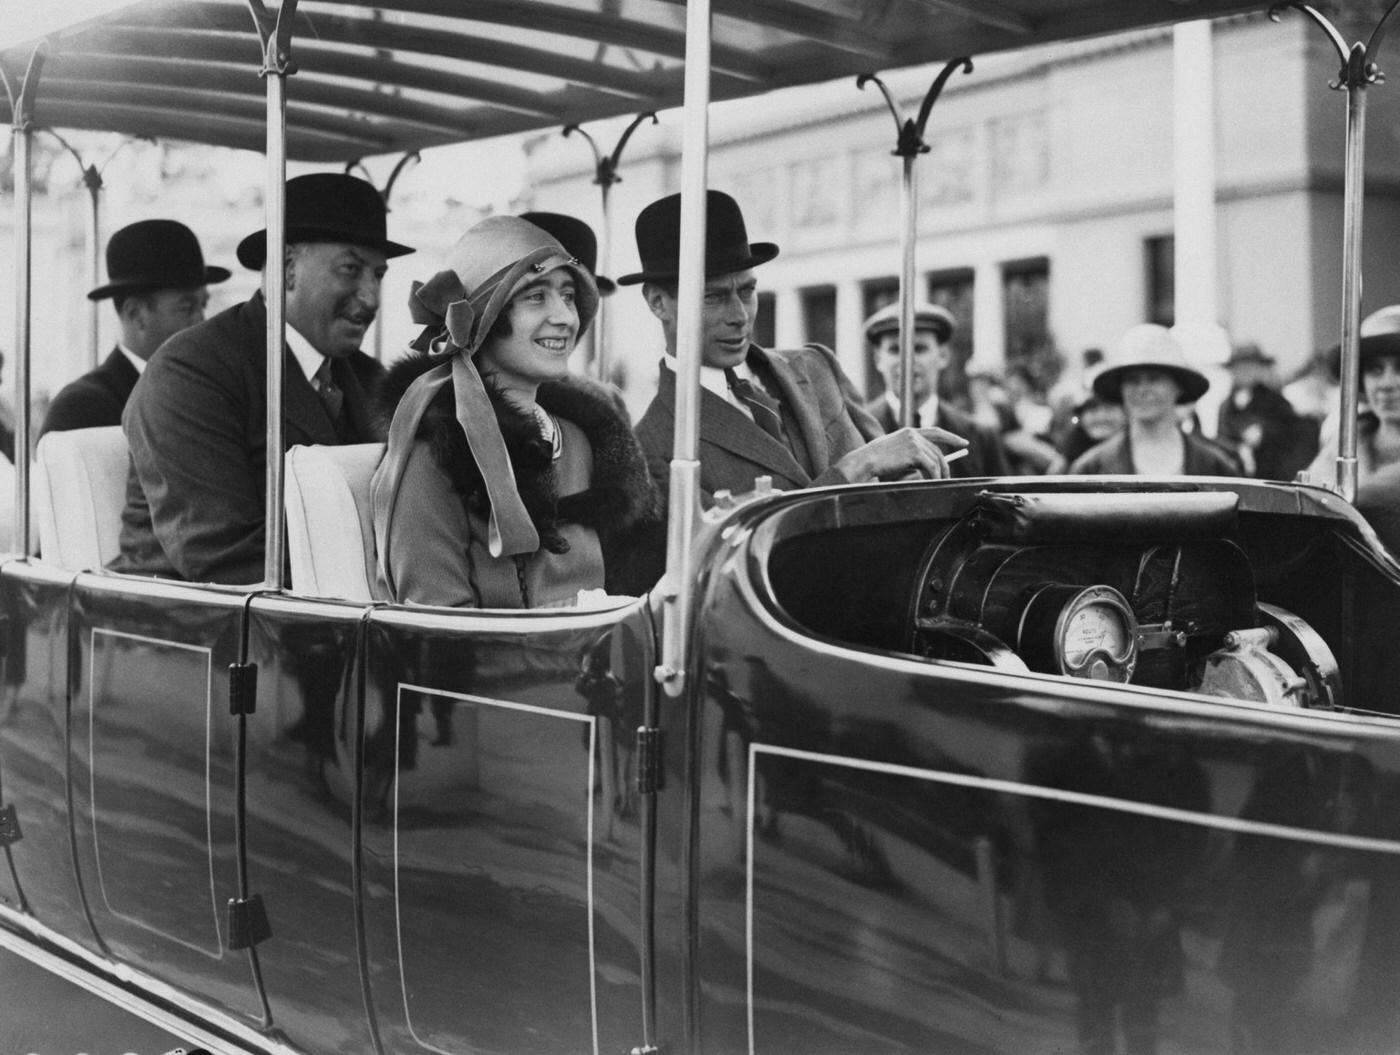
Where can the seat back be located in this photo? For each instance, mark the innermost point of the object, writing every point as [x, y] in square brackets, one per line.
[79, 494]
[330, 522]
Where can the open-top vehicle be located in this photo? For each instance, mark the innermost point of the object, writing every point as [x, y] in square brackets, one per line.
[997, 765]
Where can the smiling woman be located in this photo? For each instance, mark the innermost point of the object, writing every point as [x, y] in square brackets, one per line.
[505, 481]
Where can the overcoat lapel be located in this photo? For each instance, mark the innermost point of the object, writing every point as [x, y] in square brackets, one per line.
[730, 429]
[794, 389]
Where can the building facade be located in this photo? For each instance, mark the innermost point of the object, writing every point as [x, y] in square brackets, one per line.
[1045, 201]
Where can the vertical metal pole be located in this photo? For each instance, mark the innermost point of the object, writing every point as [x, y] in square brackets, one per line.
[1353, 198]
[275, 290]
[22, 116]
[601, 345]
[94, 248]
[684, 506]
[908, 189]
[23, 176]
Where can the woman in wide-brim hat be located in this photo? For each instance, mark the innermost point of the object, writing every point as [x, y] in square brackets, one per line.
[1378, 429]
[1148, 376]
[505, 479]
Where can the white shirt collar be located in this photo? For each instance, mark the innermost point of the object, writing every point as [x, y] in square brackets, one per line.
[928, 412]
[713, 378]
[132, 358]
[307, 357]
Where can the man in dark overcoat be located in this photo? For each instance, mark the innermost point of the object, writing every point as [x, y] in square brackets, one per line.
[791, 415]
[156, 280]
[196, 421]
[934, 326]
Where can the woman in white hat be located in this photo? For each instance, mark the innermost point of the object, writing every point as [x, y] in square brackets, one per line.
[1148, 375]
[505, 478]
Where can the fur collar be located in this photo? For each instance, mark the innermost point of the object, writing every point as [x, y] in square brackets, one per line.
[621, 491]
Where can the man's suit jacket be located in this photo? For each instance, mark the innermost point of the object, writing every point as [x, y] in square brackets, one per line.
[985, 454]
[817, 398]
[94, 400]
[197, 426]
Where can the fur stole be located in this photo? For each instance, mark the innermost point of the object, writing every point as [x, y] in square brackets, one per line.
[620, 493]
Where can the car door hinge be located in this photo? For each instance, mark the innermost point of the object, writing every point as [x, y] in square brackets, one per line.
[9, 826]
[242, 688]
[648, 760]
[247, 922]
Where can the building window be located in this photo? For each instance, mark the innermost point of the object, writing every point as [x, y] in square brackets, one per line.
[819, 314]
[875, 293]
[1025, 290]
[1161, 280]
[764, 328]
[953, 290]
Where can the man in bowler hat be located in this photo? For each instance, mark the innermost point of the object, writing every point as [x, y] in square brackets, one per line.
[156, 280]
[791, 415]
[934, 327]
[196, 421]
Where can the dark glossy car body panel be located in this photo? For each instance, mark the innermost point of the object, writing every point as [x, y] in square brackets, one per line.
[449, 822]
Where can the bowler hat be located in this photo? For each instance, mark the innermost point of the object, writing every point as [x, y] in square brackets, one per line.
[927, 316]
[577, 238]
[727, 245]
[155, 254]
[1148, 345]
[327, 207]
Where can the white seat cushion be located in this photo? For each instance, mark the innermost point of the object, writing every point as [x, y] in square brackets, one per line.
[330, 522]
[79, 493]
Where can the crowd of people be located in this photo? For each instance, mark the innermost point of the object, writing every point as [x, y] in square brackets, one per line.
[508, 481]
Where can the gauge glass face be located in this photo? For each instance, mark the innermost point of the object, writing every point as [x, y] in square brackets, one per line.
[1095, 628]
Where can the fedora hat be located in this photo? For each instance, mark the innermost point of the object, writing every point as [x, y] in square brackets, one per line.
[155, 254]
[1149, 345]
[578, 240]
[727, 245]
[328, 207]
[927, 316]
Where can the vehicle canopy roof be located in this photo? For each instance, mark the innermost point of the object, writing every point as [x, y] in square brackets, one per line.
[390, 76]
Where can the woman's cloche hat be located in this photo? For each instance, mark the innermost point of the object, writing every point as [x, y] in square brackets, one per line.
[578, 238]
[1149, 345]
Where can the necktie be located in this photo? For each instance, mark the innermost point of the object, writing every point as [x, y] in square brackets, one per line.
[762, 406]
[332, 398]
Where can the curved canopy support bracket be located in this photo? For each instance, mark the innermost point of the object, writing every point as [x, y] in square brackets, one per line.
[909, 144]
[605, 168]
[1358, 71]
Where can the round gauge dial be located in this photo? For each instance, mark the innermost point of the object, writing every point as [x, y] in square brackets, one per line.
[1082, 631]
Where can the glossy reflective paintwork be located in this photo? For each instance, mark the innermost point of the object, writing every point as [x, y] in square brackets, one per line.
[301, 767]
[152, 756]
[501, 840]
[895, 856]
[856, 850]
[38, 872]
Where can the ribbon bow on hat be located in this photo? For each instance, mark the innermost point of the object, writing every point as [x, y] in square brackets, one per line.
[458, 312]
